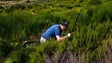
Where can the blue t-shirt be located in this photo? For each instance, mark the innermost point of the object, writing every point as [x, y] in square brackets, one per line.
[53, 31]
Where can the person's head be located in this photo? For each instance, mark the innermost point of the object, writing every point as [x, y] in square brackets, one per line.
[64, 25]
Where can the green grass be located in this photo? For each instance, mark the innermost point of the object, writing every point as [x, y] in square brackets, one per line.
[92, 34]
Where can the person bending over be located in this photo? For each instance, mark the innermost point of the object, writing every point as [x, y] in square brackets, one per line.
[55, 31]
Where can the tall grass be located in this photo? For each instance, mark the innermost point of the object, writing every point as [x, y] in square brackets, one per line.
[92, 34]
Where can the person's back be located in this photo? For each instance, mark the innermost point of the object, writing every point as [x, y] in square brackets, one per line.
[52, 31]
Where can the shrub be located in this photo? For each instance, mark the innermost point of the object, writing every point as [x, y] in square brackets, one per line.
[101, 14]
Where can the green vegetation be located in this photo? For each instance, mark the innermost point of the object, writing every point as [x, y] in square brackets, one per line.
[91, 41]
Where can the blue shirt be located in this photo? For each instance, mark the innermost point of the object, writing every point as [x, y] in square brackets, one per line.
[52, 31]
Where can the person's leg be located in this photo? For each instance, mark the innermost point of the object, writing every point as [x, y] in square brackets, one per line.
[42, 40]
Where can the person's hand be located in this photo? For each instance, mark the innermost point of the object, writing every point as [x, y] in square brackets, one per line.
[69, 35]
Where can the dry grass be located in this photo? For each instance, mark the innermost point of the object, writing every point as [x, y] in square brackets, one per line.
[10, 3]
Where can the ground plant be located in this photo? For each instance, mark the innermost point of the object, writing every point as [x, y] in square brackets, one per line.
[91, 36]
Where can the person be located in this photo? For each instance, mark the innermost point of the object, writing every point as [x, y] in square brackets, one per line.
[55, 31]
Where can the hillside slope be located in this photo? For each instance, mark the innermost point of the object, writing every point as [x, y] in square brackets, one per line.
[91, 38]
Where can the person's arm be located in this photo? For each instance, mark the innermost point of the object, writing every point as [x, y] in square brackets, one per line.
[59, 38]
